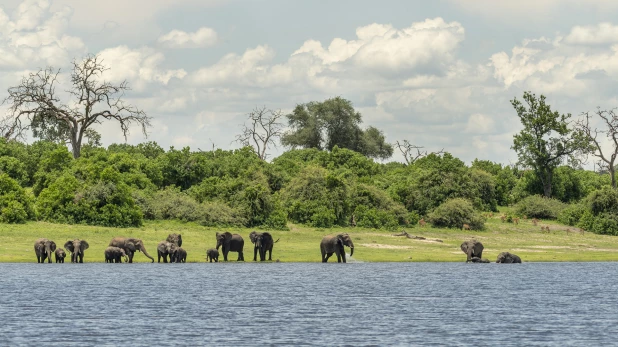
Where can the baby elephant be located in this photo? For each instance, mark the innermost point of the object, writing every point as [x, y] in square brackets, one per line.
[60, 255]
[508, 258]
[180, 256]
[479, 260]
[212, 254]
[115, 254]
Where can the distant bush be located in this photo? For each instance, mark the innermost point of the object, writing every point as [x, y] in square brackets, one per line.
[572, 214]
[15, 204]
[600, 214]
[454, 213]
[537, 206]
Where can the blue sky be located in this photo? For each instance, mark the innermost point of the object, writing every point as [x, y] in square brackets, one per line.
[437, 73]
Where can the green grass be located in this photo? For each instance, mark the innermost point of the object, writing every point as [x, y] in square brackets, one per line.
[301, 244]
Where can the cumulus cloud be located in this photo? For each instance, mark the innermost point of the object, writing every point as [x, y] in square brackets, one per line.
[600, 34]
[203, 37]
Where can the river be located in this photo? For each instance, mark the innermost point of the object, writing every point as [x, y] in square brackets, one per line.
[355, 304]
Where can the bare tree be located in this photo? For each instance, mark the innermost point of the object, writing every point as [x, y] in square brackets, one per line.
[263, 129]
[94, 100]
[412, 153]
[606, 159]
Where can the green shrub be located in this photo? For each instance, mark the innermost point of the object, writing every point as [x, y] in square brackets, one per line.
[323, 217]
[600, 212]
[537, 206]
[572, 214]
[454, 213]
[15, 204]
[15, 169]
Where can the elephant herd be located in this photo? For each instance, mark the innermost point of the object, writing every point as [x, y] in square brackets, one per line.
[474, 253]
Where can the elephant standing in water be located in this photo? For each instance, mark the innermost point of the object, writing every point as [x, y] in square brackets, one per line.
[44, 249]
[508, 258]
[175, 239]
[130, 245]
[212, 254]
[473, 249]
[166, 249]
[115, 255]
[262, 243]
[77, 248]
[180, 256]
[60, 255]
[334, 244]
[230, 243]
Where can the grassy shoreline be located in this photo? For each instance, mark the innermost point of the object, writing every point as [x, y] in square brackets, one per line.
[301, 244]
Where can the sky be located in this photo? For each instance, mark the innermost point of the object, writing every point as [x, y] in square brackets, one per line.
[439, 74]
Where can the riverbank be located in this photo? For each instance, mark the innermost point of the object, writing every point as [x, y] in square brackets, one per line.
[301, 244]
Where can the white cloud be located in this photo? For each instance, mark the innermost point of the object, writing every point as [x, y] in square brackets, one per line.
[602, 33]
[203, 37]
[480, 124]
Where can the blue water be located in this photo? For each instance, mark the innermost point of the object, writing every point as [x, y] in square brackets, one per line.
[355, 304]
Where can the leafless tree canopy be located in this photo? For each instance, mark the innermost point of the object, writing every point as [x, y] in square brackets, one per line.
[412, 153]
[263, 130]
[94, 101]
[607, 159]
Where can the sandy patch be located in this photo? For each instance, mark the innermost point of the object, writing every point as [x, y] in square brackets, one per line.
[383, 246]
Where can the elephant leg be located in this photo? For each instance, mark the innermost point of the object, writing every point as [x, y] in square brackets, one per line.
[328, 255]
[270, 254]
[255, 251]
[224, 255]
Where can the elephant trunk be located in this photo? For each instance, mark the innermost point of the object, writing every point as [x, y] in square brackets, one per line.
[143, 249]
[351, 251]
[48, 252]
[126, 258]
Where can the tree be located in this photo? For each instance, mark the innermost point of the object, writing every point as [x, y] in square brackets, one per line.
[408, 150]
[262, 131]
[606, 159]
[94, 100]
[334, 122]
[546, 140]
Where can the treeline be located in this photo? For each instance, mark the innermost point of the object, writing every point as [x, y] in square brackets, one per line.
[123, 185]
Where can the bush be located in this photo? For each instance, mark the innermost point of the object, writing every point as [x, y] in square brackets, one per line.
[572, 214]
[537, 206]
[600, 212]
[454, 213]
[15, 204]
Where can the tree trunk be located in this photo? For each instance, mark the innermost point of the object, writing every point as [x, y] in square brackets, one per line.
[612, 174]
[547, 183]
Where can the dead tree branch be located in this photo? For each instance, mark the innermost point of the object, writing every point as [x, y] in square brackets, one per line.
[263, 130]
[412, 153]
[607, 159]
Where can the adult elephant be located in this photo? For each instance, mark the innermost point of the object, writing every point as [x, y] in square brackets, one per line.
[115, 255]
[508, 258]
[130, 246]
[230, 243]
[175, 239]
[334, 244]
[77, 248]
[262, 243]
[44, 249]
[166, 249]
[472, 248]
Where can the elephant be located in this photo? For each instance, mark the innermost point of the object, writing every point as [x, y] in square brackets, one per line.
[472, 248]
[130, 245]
[262, 243]
[166, 249]
[60, 255]
[115, 255]
[180, 256]
[212, 254]
[508, 258]
[175, 238]
[334, 244]
[77, 248]
[230, 243]
[43, 249]
[479, 260]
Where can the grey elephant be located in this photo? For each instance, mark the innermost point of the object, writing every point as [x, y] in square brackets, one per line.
[175, 239]
[472, 248]
[262, 243]
[130, 246]
[334, 244]
[180, 255]
[212, 254]
[166, 250]
[479, 260]
[508, 258]
[60, 255]
[43, 248]
[115, 255]
[230, 243]
[77, 248]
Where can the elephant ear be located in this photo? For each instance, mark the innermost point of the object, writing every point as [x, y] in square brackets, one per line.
[228, 235]
[253, 236]
[84, 245]
[161, 247]
[69, 246]
[52, 245]
[464, 247]
[130, 246]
